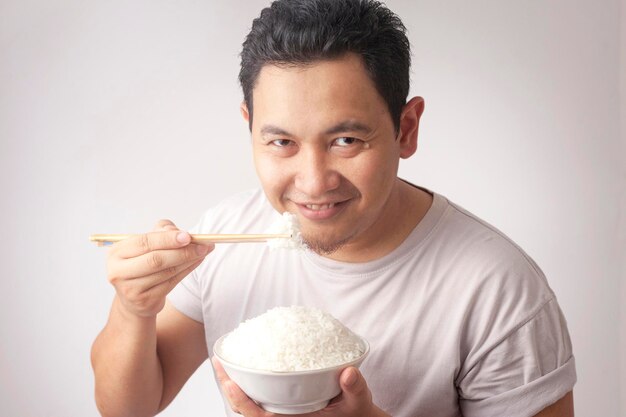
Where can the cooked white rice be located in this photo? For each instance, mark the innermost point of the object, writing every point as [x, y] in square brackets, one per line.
[287, 224]
[295, 338]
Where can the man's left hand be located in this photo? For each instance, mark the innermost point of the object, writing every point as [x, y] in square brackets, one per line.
[354, 400]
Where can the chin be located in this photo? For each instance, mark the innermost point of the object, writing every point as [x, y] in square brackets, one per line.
[324, 244]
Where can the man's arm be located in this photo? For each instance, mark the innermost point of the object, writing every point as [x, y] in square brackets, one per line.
[147, 350]
[145, 361]
[562, 408]
[181, 348]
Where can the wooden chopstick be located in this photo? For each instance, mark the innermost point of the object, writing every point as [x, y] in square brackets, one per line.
[107, 239]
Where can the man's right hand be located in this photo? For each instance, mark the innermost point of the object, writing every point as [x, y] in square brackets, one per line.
[138, 359]
[145, 268]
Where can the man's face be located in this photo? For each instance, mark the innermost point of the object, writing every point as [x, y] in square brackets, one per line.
[325, 149]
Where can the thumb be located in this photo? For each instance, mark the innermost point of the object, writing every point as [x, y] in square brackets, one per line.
[353, 384]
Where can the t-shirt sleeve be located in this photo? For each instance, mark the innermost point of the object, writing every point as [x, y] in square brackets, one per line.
[529, 369]
[185, 297]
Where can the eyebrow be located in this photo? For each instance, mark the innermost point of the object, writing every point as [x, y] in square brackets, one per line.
[345, 126]
[348, 126]
[273, 130]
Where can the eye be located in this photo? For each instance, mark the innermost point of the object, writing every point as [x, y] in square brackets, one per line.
[346, 141]
[281, 143]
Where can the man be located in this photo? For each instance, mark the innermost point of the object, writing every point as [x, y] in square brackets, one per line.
[460, 320]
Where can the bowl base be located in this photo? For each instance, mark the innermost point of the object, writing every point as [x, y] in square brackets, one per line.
[294, 408]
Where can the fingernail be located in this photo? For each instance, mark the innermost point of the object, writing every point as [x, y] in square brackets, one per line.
[202, 250]
[351, 378]
[183, 237]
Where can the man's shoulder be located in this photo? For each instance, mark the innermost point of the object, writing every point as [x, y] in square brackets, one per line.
[481, 256]
[479, 239]
[497, 286]
[243, 212]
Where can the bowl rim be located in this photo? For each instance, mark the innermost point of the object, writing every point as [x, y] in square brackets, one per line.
[289, 373]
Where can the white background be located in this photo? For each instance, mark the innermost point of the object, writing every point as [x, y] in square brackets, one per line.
[115, 114]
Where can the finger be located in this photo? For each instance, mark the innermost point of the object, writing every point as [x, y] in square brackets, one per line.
[168, 262]
[164, 288]
[238, 400]
[223, 379]
[353, 386]
[220, 373]
[160, 283]
[165, 224]
[182, 274]
[151, 300]
[145, 243]
[241, 403]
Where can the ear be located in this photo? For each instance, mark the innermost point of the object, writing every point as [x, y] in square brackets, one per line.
[409, 126]
[243, 108]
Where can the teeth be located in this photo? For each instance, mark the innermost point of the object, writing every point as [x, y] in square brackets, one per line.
[320, 206]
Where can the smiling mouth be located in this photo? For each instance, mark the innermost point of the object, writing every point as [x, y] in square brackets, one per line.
[320, 212]
[317, 207]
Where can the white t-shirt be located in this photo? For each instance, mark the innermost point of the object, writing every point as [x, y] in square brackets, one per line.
[459, 319]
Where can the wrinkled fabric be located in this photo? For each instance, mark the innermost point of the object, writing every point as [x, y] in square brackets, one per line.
[459, 319]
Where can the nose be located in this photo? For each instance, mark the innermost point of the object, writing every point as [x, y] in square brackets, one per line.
[316, 174]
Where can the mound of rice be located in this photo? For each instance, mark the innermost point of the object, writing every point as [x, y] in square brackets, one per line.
[287, 224]
[287, 339]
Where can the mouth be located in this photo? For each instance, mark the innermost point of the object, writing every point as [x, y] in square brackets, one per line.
[321, 211]
[317, 207]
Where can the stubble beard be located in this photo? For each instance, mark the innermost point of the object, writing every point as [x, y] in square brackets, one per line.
[325, 247]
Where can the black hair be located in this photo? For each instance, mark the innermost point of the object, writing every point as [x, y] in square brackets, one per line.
[300, 32]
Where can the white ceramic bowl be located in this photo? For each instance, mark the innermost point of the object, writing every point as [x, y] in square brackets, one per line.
[288, 392]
